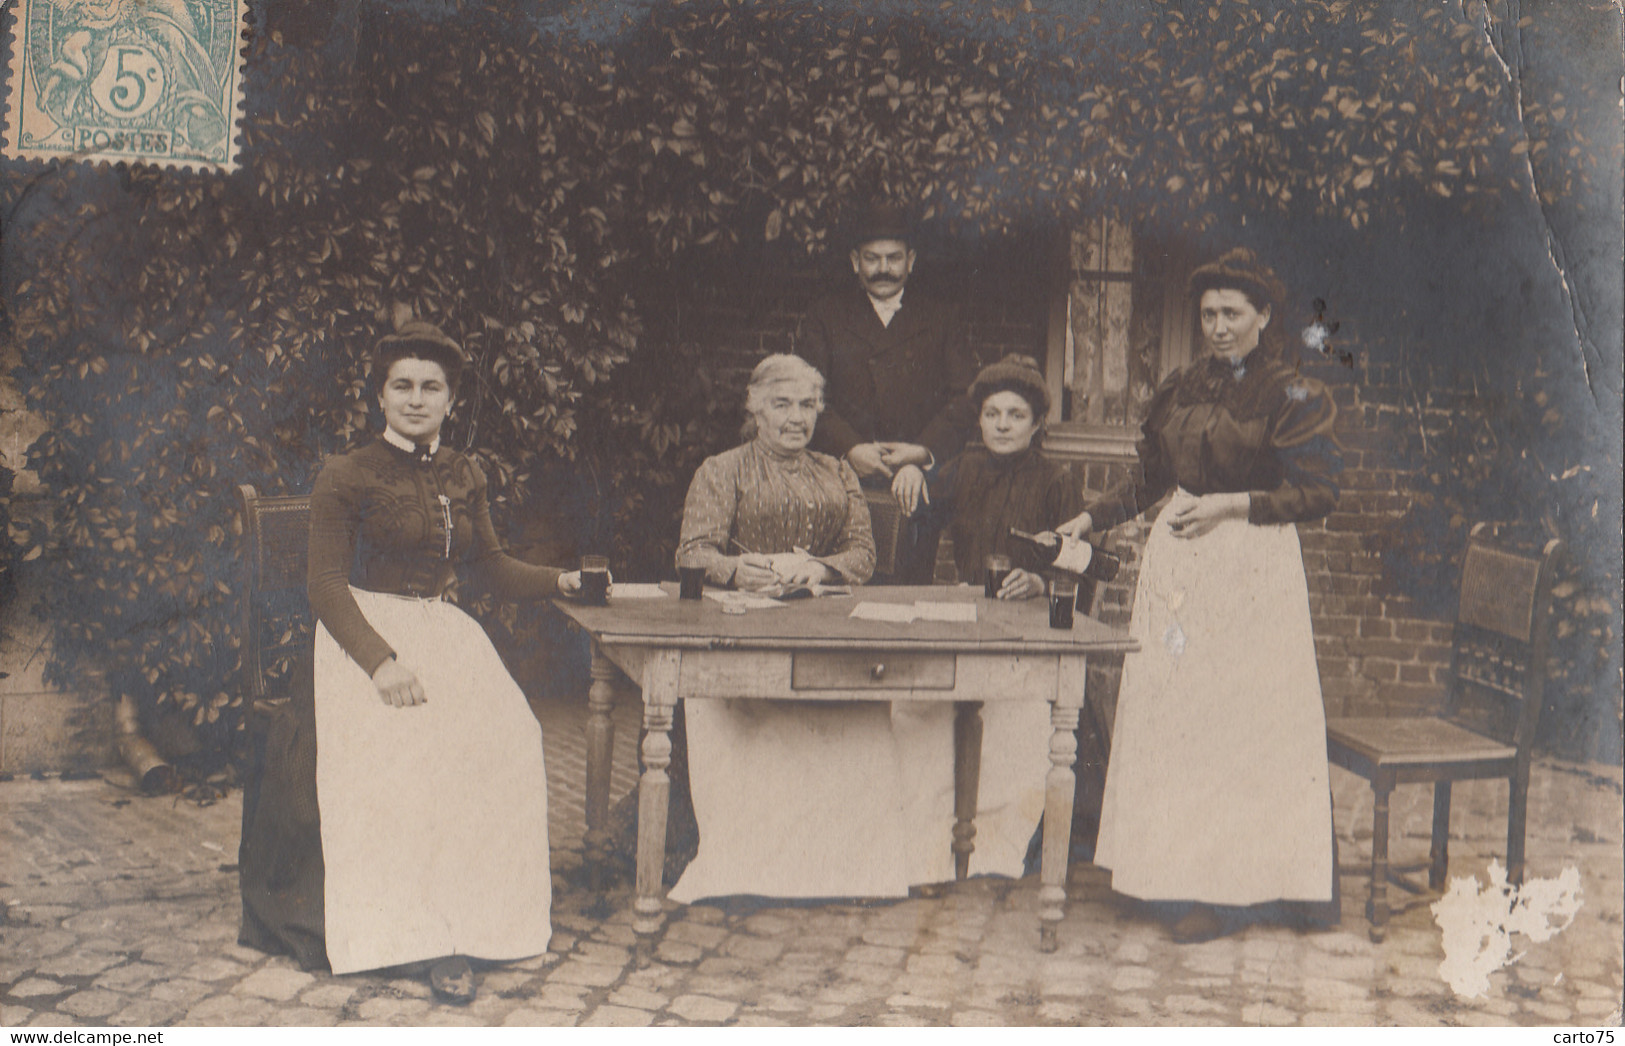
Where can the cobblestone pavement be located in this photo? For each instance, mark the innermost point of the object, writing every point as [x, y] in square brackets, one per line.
[122, 910]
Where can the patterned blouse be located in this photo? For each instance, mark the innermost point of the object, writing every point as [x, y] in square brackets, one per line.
[1215, 428]
[751, 499]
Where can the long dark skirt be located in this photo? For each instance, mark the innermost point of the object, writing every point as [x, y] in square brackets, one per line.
[280, 856]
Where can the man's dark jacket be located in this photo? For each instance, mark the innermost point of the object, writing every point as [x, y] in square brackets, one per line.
[906, 382]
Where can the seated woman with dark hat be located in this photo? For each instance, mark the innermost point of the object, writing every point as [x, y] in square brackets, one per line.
[1004, 482]
[428, 764]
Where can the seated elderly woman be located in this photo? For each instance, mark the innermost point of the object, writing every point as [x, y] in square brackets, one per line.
[766, 513]
[822, 799]
[750, 509]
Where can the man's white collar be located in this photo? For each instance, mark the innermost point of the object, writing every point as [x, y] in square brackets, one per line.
[886, 308]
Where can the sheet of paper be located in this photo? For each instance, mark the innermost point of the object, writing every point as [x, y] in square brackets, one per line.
[743, 600]
[900, 612]
[927, 611]
[636, 590]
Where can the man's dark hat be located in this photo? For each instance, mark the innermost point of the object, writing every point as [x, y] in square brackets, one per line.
[880, 221]
[1239, 270]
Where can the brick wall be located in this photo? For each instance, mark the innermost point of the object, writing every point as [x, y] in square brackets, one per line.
[1378, 653]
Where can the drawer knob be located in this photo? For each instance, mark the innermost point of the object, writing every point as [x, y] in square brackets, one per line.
[878, 672]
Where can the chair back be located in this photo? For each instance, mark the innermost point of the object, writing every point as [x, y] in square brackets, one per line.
[886, 521]
[1502, 635]
[276, 619]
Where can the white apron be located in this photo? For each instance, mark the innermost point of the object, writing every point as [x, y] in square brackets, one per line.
[814, 799]
[1217, 787]
[434, 817]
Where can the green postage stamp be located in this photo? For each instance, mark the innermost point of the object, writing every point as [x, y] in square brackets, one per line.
[133, 81]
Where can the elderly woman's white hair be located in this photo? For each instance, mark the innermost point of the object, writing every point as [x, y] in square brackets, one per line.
[781, 366]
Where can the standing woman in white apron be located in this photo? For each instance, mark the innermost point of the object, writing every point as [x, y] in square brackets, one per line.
[1217, 794]
[429, 773]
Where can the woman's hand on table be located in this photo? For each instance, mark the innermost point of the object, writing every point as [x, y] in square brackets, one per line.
[1192, 515]
[807, 572]
[754, 571]
[1021, 584]
[570, 583]
[398, 685]
[1077, 527]
[908, 486]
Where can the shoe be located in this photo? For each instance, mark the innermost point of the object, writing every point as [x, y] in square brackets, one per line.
[453, 981]
[1198, 925]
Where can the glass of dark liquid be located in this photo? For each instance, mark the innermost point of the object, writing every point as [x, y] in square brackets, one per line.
[1063, 592]
[595, 580]
[691, 578]
[995, 569]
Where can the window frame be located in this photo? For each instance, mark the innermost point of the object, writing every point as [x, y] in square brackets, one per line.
[1075, 440]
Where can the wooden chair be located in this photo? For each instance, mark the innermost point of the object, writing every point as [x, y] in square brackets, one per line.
[275, 611]
[886, 521]
[1496, 687]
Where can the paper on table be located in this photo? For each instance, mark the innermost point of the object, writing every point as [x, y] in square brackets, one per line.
[743, 600]
[636, 590]
[900, 612]
[924, 611]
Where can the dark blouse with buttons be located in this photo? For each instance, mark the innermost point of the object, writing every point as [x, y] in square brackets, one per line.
[987, 494]
[1216, 428]
[379, 519]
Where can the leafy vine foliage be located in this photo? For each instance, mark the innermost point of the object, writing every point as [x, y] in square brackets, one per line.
[532, 184]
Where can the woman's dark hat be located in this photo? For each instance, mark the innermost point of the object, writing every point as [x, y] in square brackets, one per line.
[417, 339]
[1014, 371]
[1239, 270]
[880, 221]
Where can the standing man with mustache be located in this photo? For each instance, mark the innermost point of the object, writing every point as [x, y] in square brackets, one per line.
[896, 377]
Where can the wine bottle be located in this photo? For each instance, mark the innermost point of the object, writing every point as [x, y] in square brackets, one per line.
[1096, 563]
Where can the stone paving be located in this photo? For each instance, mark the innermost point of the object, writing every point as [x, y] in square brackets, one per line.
[122, 910]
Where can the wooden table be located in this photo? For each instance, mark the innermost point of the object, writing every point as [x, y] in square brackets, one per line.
[812, 650]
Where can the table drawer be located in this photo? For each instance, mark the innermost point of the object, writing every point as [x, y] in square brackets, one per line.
[828, 670]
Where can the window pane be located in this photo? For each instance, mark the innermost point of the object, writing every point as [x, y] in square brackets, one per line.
[1114, 328]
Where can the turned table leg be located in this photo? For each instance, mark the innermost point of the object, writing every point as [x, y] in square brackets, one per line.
[600, 749]
[1377, 910]
[1058, 790]
[967, 781]
[654, 797]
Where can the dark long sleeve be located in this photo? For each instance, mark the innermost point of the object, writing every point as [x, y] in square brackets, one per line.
[815, 343]
[986, 495]
[335, 522]
[1301, 438]
[948, 431]
[904, 382]
[1152, 474]
[1265, 433]
[385, 522]
[506, 576]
